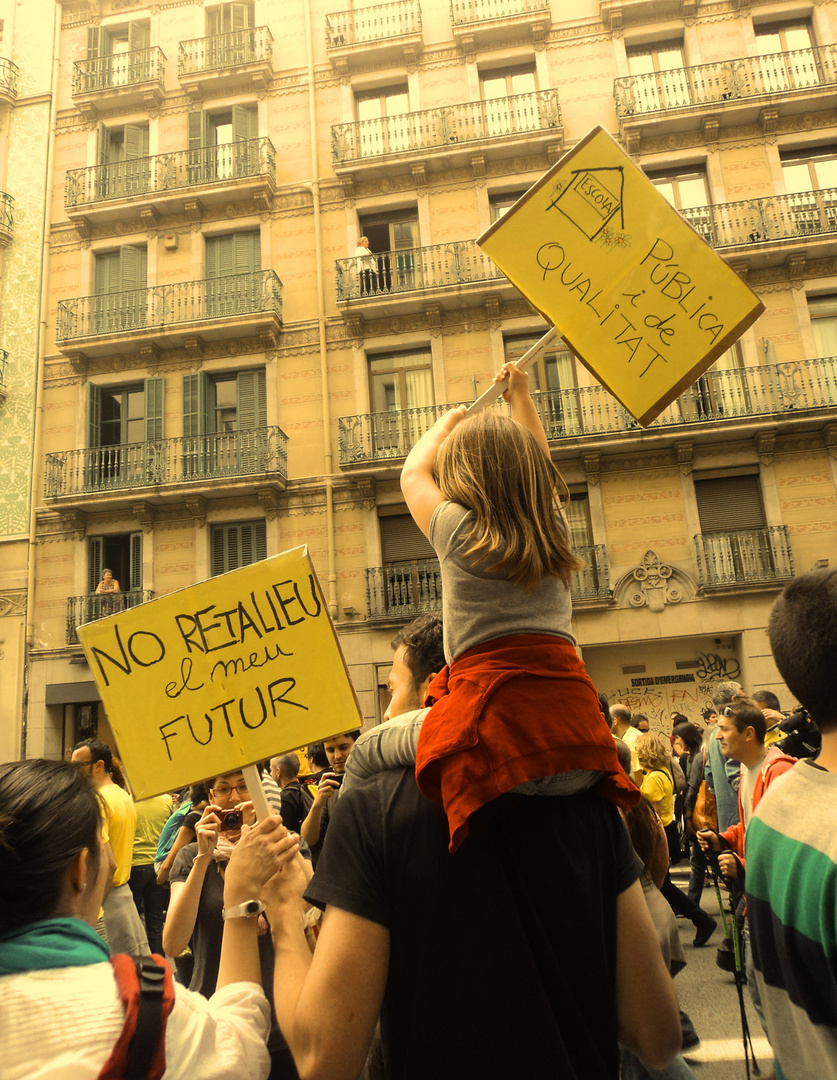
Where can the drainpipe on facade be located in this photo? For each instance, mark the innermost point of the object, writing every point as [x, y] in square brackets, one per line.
[314, 187]
[37, 435]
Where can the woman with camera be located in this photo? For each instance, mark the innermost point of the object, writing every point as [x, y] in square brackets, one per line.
[196, 912]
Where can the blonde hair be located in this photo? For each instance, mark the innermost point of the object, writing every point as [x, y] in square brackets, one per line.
[653, 751]
[496, 468]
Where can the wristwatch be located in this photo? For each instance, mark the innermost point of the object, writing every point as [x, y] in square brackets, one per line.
[248, 910]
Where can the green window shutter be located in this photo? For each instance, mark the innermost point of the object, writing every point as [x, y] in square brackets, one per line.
[136, 141]
[195, 404]
[251, 409]
[220, 256]
[260, 540]
[94, 415]
[95, 40]
[135, 575]
[213, 22]
[237, 545]
[107, 273]
[139, 35]
[219, 549]
[247, 253]
[132, 269]
[241, 16]
[104, 144]
[94, 562]
[253, 542]
[245, 122]
[154, 411]
[199, 130]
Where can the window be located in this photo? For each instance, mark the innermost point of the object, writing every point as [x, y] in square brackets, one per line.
[552, 376]
[661, 79]
[811, 183]
[823, 312]
[392, 239]
[736, 542]
[401, 389]
[384, 121]
[237, 545]
[119, 286]
[227, 18]
[233, 265]
[788, 62]
[121, 553]
[592, 580]
[412, 579]
[721, 391]
[223, 144]
[124, 150]
[224, 423]
[123, 423]
[507, 103]
[500, 204]
[122, 55]
[688, 192]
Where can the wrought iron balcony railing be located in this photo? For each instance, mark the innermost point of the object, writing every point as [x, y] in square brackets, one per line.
[251, 46]
[465, 12]
[446, 126]
[413, 269]
[736, 394]
[187, 459]
[9, 77]
[372, 24]
[747, 557]
[800, 71]
[170, 172]
[163, 306]
[406, 589]
[7, 212]
[86, 609]
[4, 356]
[758, 221]
[119, 70]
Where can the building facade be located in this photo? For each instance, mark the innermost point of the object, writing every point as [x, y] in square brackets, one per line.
[227, 372]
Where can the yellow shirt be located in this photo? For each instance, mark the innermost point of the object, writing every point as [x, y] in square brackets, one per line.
[658, 788]
[121, 825]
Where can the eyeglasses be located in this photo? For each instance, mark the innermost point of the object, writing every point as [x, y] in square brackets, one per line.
[81, 764]
[223, 791]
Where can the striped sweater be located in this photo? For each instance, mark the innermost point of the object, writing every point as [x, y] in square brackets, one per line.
[791, 847]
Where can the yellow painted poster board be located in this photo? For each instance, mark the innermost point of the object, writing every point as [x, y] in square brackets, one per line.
[637, 294]
[222, 674]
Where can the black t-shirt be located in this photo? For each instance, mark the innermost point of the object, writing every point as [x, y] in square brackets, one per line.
[295, 806]
[503, 956]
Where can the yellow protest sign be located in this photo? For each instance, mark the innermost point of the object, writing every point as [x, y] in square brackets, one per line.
[221, 674]
[637, 294]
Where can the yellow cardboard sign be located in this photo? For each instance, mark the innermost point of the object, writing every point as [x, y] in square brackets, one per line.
[637, 294]
[221, 674]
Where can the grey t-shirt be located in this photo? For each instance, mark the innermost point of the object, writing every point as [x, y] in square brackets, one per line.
[477, 606]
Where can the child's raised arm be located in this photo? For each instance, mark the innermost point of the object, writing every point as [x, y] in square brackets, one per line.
[522, 407]
[418, 482]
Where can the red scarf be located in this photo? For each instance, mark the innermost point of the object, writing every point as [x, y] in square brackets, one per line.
[510, 710]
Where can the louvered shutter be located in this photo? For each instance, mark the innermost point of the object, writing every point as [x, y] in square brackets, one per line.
[96, 39]
[729, 504]
[154, 410]
[219, 549]
[94, 415]
[247, 405]
[139, 35]
[132, 267]
[195, 404]
[136, 141]
[94, 563]
[104, 144]
[241, 16]
[403, 541]
[135, 573]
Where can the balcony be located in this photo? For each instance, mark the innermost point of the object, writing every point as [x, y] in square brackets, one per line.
[726, 93]
[167, 467]
[485, 23]
[242, 60]
[470, 133]
[408, 279]
[135, 78]
[4, 356]
[798, 389]
[616, 14]
[7, 219]
[185, 313]
[388, 34]
[404, 590]
[769, 228]
[210, 175]
[753, 557]
[9, 79]
[87, 609]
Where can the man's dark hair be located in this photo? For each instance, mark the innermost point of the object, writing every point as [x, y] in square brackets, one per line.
[288, 765]
[49, 812]
[709, 712]
[98, 752]
[423, 646]
[637, 716]
[803, 636]
[766, 697]
[744, 714]
[198, 793]
[317, 755]
[725, 692]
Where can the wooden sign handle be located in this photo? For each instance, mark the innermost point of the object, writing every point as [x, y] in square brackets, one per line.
[256, 790]
[496, 389]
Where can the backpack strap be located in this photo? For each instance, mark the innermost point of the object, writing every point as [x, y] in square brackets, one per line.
[146, 989]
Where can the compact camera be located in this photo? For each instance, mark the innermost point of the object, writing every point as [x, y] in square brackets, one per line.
[231, 820]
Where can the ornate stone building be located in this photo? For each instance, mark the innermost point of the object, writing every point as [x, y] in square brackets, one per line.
[226, 376]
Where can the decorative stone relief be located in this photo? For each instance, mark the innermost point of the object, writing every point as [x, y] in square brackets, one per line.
[13, 602]
[653, 584]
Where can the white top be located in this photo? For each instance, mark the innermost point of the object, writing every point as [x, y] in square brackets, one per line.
[63, 1024]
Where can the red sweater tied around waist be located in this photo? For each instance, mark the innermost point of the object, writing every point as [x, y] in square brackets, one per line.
[509, 710]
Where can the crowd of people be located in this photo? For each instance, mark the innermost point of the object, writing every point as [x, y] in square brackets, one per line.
[478, 887]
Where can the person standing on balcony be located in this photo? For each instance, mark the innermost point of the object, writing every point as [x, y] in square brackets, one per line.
[484, 490]
[107, 587]
[367, 267]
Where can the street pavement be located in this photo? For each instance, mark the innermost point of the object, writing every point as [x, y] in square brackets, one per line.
[709, 996]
